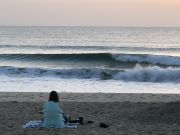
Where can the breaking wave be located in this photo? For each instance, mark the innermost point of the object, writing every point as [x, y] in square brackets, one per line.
[148, 58]
[150, 74]
[137, 74]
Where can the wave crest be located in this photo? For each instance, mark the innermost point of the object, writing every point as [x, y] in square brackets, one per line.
[147, 58]
[150, 74]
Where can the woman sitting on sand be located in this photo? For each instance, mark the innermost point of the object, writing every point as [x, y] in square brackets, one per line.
[53, 113]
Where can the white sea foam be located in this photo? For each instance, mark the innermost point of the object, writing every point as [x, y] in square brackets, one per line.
[47, 84]
[150, 74]
[153, 59]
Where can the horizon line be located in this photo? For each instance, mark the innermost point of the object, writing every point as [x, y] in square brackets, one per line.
[89, 26]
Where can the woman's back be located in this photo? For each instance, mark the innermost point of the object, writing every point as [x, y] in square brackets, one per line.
[53, 115]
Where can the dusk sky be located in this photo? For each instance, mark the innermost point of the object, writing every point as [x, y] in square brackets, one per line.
[163, 13]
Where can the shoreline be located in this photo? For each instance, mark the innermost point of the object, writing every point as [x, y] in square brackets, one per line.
[88, 97]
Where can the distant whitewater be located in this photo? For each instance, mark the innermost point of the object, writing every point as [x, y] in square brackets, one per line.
[93, 59]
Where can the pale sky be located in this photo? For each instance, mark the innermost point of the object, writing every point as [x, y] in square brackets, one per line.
[152, 13]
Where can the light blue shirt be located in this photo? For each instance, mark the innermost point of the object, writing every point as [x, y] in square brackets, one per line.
[53, 115]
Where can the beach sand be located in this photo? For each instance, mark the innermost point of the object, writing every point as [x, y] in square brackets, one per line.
[126, 114]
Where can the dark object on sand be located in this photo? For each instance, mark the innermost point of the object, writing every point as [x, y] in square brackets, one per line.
[81, 120]
[73, 121]
[90, 121]
[41, 112]
[103, 125]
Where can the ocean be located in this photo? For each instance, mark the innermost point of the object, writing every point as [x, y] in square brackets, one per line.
[90, 59]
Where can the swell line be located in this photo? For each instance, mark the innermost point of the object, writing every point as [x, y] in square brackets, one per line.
[97, 57]
[175, 48]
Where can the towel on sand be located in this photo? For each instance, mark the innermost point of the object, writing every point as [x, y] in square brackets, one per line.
[39, 124]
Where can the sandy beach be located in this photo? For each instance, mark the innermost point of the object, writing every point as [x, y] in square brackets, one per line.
[126, 114]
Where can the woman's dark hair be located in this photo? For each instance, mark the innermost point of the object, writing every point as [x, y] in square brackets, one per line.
[53, 96]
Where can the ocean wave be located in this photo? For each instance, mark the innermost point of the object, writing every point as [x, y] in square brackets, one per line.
[97, 57]
[137, 74]
[149, 74]
[148, 58]
[55, 57]
[81, 73]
